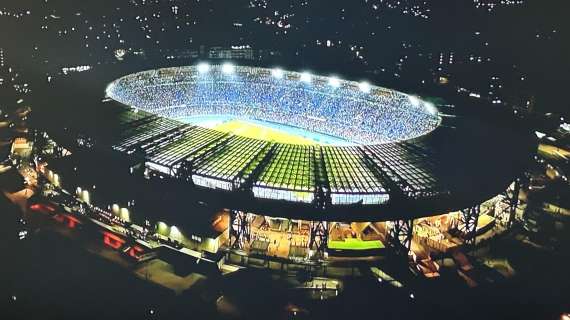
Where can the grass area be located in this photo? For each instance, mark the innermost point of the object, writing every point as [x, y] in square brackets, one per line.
[252, 130]
[355, 244]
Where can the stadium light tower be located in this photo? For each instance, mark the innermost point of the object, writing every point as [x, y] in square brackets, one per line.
[364, 87]
[203, 67]
[334, 82]
[306, 77]
[228, 68]
[277, 73]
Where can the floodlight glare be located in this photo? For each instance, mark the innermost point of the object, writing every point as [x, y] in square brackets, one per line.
[430, 107]
[203, 67]
[277, 73]
[364, 87]
[228, 68]
[174, 232]
[306, 77]
[334, 82]
[414, 100]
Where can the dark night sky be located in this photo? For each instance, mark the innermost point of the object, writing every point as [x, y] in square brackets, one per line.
[511, 33]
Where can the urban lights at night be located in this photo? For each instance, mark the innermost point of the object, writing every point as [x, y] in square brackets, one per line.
[284, 159]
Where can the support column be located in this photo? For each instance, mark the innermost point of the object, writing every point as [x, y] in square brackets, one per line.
[400, 233]
[468, 224]
[240, 229]
[514, 201]
[319, 237]
[185, 171]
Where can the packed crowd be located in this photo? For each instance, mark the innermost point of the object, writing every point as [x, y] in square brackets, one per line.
[340, 110]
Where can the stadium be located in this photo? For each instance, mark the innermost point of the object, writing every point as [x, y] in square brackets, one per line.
[286, 164]
[326, 106]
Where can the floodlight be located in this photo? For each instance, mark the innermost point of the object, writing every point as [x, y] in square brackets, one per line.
[334, 82]
[430, 107]
[277, 73]
[306, 77]
[175, 232]
[414, 100]
[228, 68]
[203, 67]
[364, 87]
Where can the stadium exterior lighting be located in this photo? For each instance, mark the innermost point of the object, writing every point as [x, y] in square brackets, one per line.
[277, 73]
[334, 82]
[162, 228]
[85, 196]
[175, 232]
[203, 67]
[364, 87]
[228, 68]
[306, 77]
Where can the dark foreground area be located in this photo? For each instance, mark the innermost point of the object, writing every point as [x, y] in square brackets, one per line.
[48, 276]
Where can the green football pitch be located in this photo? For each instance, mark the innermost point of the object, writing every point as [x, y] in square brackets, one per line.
[253, 130]
[355, 244]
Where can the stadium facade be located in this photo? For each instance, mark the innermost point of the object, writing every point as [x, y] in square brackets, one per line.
[405, 158]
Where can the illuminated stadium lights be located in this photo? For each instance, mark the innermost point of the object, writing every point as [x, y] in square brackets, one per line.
[203, 67]
[430, 107]
[306, 77]
[175, 232]
[162, 228]
[228, 68]
[382, 160]
[277, 73]
[364, 87]
[414, 100]
[334, 82]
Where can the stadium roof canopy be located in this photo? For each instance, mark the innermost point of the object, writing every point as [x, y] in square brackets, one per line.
[462, 162]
